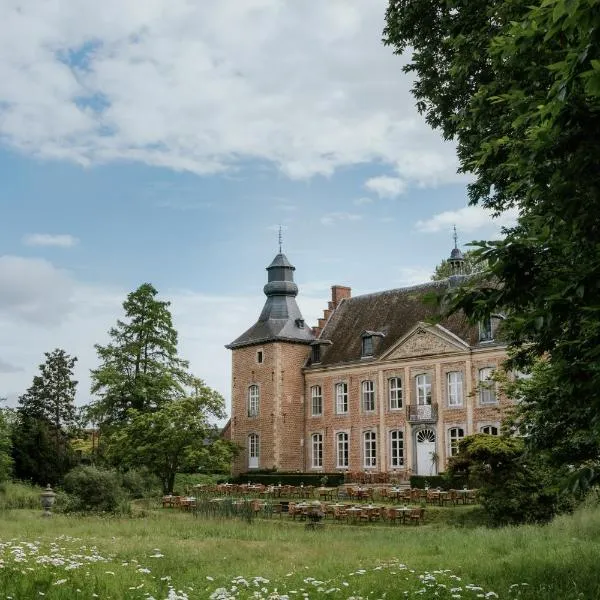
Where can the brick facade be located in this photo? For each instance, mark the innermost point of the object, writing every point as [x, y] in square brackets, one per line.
[295, 433]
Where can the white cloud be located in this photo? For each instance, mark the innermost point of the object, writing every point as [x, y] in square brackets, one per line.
[362, 201]
[336, 217]
[307, 86]
[467, 220]
[386, 187]
[48, 239]
[33, 290]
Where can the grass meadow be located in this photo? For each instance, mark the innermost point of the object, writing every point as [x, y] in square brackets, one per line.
[167, 554]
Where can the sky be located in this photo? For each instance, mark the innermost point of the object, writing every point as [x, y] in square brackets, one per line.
[166, 141]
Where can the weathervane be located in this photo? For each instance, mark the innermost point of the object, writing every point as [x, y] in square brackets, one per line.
[455, 236]
[280, 239]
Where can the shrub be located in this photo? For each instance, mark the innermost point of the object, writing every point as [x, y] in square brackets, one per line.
[141, 483]
[273, 478]
[94, 489]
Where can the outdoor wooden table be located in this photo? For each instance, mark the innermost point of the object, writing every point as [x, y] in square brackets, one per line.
[402, 511]
[326, 493]
[354, 513]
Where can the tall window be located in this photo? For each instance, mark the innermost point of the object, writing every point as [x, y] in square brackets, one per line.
[395, 393]
[253, 451]
[370, 441]
[454, 386]
[396, 449]
[317, 450]
[253, 400]
[342, 450]
[316, 353]
[487, 386]
[341, 398]
[316, 396]
[489, 429]
[485, 330]
[454, 436]
[368, 396]
[367, 346]
[423, 389]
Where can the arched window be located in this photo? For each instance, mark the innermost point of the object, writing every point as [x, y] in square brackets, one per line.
[342, 450]
[368, 396]
[395, 393]
[370, 449]
[253, 400]
[454, 381]
[487, 386]
[317, 450]
[423, 385]
[455, 434]
[396, 449]
[253, 451]
[316, 396]
[489, 429]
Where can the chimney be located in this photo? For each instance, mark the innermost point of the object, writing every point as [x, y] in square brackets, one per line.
[339, 293]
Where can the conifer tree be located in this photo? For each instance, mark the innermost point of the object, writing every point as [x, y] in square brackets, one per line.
[140, 368]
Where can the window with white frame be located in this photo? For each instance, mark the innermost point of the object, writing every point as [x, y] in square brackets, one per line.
[487, 386]
[485, 330]
[341, 398]
[455, 434]
[489, 429]
[454, 386]
[368, 396]
[370, 449]
[423, 386]
[342, 450]
[396, 449]
[253, 451]
[253, 400]
[316, 396]
[317, 450]
[395, 393]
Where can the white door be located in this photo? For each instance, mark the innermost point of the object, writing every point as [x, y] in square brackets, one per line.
[253, 451]
[426, 453]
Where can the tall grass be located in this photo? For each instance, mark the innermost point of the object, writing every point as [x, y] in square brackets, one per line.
[19, 495]
[559, 560]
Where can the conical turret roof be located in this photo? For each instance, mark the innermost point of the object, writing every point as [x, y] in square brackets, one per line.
[280, 319]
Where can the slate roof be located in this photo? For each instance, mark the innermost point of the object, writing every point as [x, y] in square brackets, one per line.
[280, 317]
[392, 312]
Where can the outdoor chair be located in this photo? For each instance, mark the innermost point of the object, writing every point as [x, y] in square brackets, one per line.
[417, 515]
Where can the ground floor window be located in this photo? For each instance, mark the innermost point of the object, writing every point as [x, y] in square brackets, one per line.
[370, 449]
[343, 458]
[455, 434]
[317, 450]
[396, 449]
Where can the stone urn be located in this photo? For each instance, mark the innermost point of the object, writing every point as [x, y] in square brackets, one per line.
[47, 497]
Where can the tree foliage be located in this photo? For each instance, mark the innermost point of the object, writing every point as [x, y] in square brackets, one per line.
[45, 417]
[6, 461]
[140, 368]
[513, 488]
[471, 266]
[174, 438]
[517, 86]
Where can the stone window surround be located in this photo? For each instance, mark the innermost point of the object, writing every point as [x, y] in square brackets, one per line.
[336, 432]
[363, 393]
[364, 431]
[448, 428]
[389, 443]
[312, 397]
[312, 450]
[253, 414]
[400, 398]
[335, 397]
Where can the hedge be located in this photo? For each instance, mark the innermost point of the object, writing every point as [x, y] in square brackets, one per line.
[273, 478]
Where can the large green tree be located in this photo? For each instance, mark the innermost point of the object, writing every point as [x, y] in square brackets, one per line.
[175, 437]
[140, 368]
[516, 85]
[45, 418]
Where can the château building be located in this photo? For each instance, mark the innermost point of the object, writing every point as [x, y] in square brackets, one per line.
[374, 387]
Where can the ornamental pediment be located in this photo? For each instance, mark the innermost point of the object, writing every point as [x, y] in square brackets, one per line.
[426, 340]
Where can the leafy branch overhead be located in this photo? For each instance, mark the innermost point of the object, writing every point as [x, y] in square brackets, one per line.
[516, 86]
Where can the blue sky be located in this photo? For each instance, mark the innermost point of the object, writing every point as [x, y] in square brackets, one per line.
[166, 142]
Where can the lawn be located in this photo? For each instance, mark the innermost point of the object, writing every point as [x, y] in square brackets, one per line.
[169, 554]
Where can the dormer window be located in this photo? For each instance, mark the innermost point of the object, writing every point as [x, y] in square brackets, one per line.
[300, 323]
[485, 330]
[367, 345]
[316, 353]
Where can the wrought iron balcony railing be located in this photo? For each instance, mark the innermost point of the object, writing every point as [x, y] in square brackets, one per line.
[422, 413]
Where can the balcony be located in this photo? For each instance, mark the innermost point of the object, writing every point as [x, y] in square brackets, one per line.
[422, 413]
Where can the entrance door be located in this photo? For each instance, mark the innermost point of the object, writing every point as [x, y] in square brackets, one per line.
[426, 452]
[253, 451]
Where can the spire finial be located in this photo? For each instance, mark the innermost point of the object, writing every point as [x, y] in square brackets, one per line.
[455, 236]
[280, 239]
